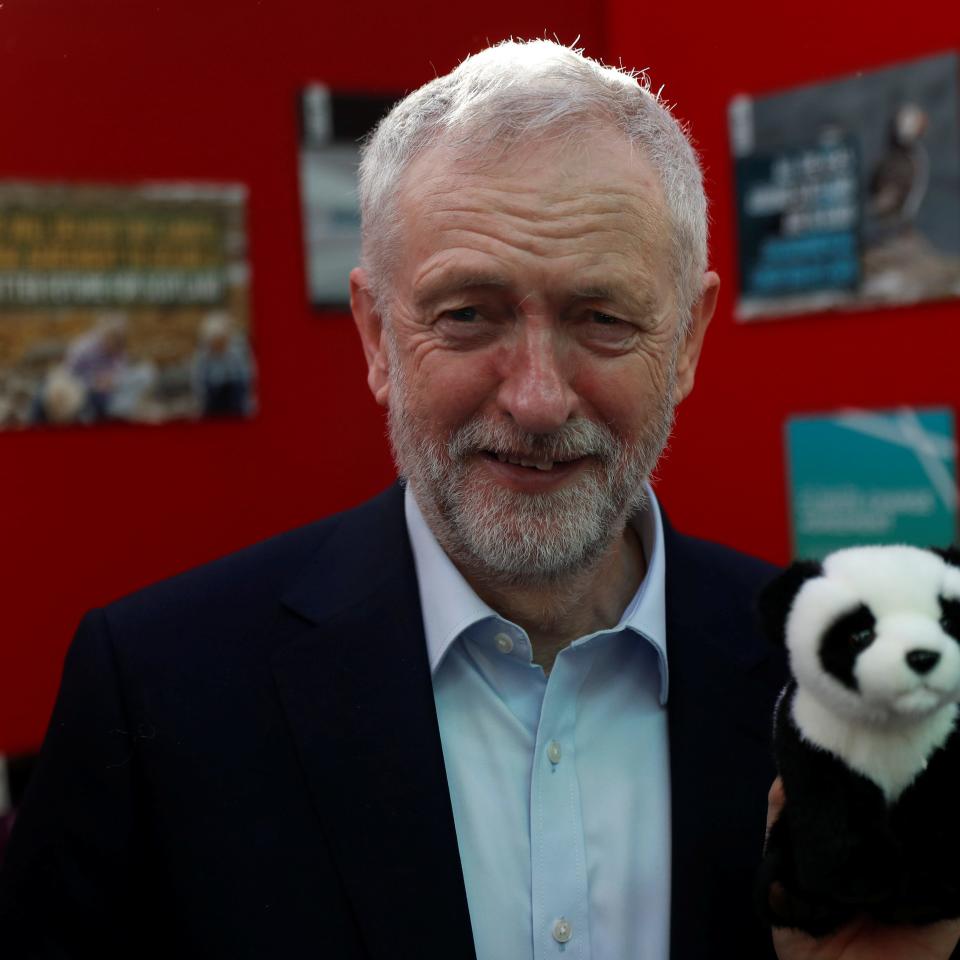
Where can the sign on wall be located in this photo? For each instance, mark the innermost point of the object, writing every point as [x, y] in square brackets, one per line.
[332, 126]
[872, 477]
[123, 303]
[848, 192]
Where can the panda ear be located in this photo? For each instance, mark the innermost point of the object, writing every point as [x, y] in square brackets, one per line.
[776, 598]
[949, 554]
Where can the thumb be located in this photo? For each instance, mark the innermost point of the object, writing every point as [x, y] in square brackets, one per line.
[776, 800]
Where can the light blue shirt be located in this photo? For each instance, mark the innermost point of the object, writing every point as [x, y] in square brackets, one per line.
[560, 785]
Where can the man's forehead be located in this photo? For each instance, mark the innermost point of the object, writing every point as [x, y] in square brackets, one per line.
[586, 222]
[598, 162]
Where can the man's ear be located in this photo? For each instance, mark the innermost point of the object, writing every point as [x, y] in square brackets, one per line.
[700, 315]
[372, 335]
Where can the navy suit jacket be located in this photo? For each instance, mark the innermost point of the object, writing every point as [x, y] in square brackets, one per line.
[244, 761]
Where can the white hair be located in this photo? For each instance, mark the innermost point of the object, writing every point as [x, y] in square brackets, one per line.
[523, 90]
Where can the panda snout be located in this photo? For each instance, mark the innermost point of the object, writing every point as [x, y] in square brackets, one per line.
[922, 661]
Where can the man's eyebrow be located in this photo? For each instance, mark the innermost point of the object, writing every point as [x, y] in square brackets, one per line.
[598, 291]
[449, 284]
[639, 299]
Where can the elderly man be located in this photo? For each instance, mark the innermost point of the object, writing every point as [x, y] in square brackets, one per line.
[502, 711]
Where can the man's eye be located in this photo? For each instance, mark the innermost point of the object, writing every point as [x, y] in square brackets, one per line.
[607, 328]
[464, 314]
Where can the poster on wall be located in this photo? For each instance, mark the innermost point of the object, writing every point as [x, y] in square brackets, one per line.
[864, 477]
[332, 126]
[848, 192]
[123, 303]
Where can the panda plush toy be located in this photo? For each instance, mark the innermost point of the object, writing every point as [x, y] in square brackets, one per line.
[866, 740]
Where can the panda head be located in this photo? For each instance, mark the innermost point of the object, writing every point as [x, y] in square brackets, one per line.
[872, 633]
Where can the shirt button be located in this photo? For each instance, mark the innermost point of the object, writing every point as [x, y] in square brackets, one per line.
[504, 642]
[553, 755]
[562, 931]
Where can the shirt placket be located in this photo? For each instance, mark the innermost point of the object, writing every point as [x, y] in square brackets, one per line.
[558, 858]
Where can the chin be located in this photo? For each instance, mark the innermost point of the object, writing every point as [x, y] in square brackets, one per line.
[534, 543]
[918, 703]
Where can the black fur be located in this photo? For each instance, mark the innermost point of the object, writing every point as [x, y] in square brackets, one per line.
[845, 641]
[950, 617]
[838, 850]
[949, 554]
[777, 597]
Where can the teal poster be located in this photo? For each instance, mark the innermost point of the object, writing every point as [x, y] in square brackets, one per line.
[861, 477]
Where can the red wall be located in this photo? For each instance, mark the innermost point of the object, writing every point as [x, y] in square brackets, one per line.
[115, 90]
[724, 477]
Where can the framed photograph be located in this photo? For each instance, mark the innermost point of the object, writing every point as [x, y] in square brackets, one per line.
[332, 126]
[123, 303]
[848, 192]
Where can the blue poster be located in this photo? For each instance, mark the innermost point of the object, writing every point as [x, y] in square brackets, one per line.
[861, 477]
[848, 191]
[814, 247]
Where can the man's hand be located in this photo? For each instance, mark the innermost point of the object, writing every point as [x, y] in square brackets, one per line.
[865, 940]
[862, 939]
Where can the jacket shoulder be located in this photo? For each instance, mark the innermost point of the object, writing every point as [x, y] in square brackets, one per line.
[717, 561]
[729, 579]
[712, 592]
[244, 587]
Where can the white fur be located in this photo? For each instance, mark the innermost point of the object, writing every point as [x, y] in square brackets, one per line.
[888, 728]
[891, 758]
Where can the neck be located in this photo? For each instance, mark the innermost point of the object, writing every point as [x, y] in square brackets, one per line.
[557, 612]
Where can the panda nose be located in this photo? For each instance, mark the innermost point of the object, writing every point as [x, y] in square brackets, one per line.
[922, 661]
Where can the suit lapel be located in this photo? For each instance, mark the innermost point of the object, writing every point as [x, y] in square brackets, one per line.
[354, 679]
[355, 682]
[722, 682]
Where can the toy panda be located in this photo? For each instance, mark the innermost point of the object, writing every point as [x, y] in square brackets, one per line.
[866, 741]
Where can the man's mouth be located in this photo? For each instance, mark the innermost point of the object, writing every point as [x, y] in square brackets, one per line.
[532, 463]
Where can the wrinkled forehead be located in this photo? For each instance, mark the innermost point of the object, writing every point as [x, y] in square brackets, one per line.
[555, 174]
[893, 579]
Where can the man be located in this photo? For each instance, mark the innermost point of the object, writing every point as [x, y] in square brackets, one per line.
[505, 711]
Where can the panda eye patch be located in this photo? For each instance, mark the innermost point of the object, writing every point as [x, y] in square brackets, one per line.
[950, 616]
[846, 638]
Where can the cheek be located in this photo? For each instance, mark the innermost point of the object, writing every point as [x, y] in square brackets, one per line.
[627, 396]
[805, 664]
[883, 667]
[450, 389]
[880, 669]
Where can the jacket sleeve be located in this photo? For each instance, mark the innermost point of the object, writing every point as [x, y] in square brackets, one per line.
[69, 885]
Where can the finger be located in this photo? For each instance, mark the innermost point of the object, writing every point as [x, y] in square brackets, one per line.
[776, 799]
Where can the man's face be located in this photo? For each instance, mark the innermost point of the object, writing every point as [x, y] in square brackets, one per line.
[532, 358]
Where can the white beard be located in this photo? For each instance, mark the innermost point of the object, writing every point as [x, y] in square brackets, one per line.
[522, 537]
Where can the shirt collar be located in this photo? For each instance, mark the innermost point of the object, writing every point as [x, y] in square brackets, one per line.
[450, 605]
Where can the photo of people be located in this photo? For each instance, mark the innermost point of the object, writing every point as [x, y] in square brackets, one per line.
[123, 304]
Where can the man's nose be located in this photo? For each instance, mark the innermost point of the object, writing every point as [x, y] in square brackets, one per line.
[536, 391]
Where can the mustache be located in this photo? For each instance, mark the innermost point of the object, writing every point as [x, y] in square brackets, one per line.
[575, 439]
